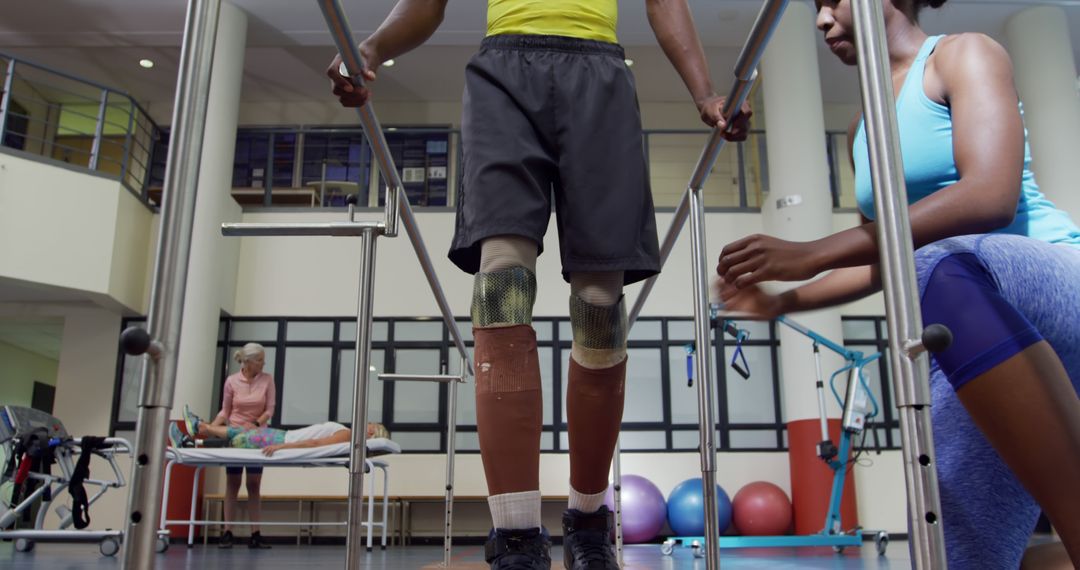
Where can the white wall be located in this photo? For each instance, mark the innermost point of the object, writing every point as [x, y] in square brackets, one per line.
[19, 369]
[70, 229]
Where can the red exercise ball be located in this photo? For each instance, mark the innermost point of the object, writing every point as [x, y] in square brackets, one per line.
[761, 509]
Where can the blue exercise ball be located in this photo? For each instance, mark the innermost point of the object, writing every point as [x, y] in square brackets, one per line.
[686, 508]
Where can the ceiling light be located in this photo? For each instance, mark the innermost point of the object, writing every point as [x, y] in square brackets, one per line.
[389, 63]
[629, 62]
[147, 63]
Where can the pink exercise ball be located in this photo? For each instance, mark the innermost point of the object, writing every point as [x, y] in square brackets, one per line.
[761, 509]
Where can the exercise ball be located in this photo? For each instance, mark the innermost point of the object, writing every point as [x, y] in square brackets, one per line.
[761, 509]
[643, 509]
[686, 508]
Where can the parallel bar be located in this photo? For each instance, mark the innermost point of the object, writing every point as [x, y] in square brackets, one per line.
[745, 75]
[440, 378]
[99, 129]
[350, 56]
[336, 229]
[912, 389]
[170, 280]
[354, 546]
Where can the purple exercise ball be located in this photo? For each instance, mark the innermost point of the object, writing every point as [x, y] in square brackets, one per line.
[644, 511]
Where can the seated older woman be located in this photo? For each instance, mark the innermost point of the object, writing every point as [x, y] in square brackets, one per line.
[269, 440]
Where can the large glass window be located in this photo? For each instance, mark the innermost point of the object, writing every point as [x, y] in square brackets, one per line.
[313, 360]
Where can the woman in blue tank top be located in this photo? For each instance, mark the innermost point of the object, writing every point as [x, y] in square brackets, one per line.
[997, 263]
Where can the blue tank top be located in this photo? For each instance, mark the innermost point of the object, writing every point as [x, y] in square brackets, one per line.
[926, 143]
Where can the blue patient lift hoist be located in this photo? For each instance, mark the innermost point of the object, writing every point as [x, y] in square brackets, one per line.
[859, 406]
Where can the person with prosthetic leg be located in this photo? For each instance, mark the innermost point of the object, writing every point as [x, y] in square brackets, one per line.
[550, 119]
[510, 405]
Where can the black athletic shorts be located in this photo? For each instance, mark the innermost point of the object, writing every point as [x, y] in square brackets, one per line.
[553, 116]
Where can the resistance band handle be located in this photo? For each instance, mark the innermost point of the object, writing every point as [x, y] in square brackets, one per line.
[742, 371]
[689, 368]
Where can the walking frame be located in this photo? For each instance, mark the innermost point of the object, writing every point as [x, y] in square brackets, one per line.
[160, 341]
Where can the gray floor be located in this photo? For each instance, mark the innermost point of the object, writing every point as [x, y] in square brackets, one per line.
[86, 556]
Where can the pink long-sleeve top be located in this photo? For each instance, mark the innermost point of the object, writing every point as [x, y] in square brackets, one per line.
[244, 401]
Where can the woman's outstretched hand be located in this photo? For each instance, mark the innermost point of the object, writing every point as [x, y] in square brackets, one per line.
[752, 301]
[759, 258]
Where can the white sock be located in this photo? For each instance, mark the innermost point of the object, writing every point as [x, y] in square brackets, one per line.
[586, 503]
[516, 511]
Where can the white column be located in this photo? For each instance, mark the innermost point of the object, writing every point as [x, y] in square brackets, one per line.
[211, 284]
[1045, 75]
[798, 206]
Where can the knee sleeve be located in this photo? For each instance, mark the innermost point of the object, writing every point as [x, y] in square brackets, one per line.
[597, 287]
[505, 252]
[987, 329]
[599, 332]
[504, 297]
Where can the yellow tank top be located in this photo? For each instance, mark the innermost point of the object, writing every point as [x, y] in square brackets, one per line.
[585, 19]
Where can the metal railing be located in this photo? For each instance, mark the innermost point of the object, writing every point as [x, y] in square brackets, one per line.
[63, 118]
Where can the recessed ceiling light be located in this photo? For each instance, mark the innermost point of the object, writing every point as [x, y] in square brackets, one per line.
[389, 63]
[629, 62]
[391, 129]
[147, 63]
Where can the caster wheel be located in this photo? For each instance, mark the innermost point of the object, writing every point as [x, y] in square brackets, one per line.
[838, 549]
[697, 549]
[109, 547]
[162, 544]
[24, 544]
[667, 547]
[882, 542]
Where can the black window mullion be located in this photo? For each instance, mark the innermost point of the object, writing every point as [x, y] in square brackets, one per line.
[279, 371]
[335, 375]
[389, 365]
[556, 386]
[665, 384]
[778, 413]
[724, 417]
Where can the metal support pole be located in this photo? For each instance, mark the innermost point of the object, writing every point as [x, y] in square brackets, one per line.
[354, 546]
[617, 495]
[5, 97]
[99, 129]
[170, 280]
[911, 388]
[451, 448]
[706, 385]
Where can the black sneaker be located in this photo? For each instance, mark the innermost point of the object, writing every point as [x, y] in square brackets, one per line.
[587, 540]
[518, 550]
[226, 540]
[256, 541]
